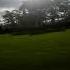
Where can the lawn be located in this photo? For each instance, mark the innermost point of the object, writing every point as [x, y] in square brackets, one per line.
[50, 51]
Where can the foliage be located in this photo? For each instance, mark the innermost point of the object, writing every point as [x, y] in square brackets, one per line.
[53, 17]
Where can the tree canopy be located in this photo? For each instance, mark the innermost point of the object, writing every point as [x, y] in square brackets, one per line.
[48, 14]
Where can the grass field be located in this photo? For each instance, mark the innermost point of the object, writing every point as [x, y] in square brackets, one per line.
[50, 51]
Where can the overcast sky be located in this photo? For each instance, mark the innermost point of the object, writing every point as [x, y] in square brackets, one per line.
[9, 5]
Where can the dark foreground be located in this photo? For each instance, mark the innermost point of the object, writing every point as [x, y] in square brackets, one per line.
[38, 52]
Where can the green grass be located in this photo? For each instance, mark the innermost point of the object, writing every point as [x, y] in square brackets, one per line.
[50, 51]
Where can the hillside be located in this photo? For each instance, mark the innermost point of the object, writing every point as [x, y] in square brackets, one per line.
[49, 51]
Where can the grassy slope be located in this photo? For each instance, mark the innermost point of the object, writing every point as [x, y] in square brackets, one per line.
[39, 52]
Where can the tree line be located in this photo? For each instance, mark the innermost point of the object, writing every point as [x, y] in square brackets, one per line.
[54, 17]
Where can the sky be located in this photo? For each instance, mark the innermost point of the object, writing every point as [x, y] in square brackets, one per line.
[9, 5]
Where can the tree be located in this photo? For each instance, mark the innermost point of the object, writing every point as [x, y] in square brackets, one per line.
[10, 22]
[37, 11]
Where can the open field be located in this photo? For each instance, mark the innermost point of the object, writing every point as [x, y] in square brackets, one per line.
[50, 51]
